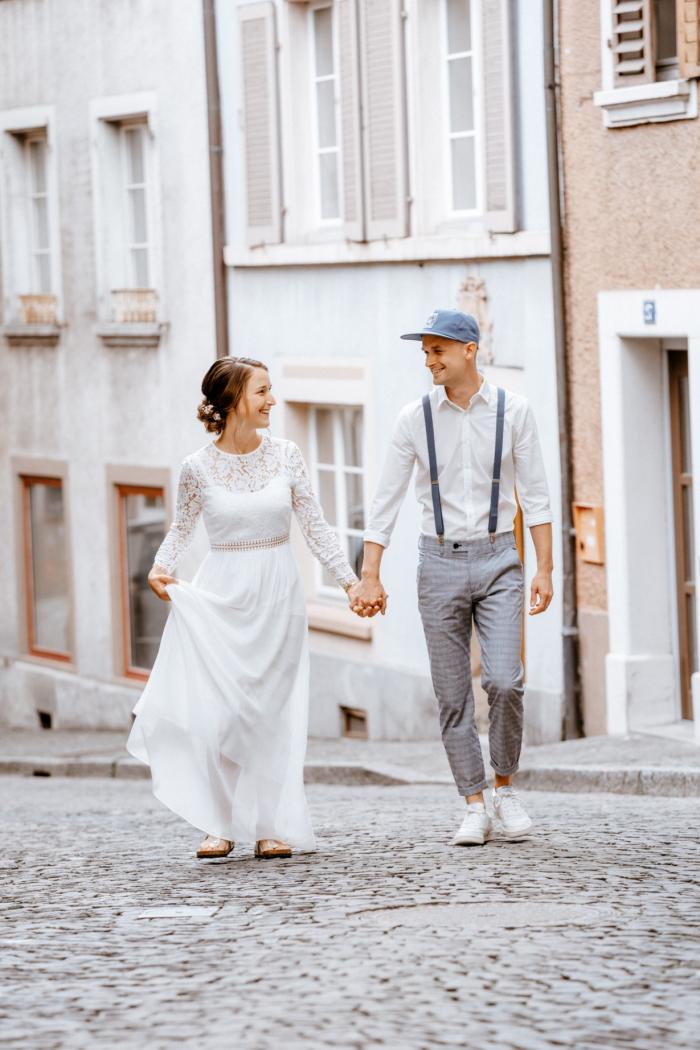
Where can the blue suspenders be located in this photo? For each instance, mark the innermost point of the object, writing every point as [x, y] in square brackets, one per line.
[495, 474]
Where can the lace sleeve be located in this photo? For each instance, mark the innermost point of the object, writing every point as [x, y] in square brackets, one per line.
[320, 537]
[187, 511]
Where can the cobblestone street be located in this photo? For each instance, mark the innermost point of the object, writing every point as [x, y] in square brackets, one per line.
[114, 935]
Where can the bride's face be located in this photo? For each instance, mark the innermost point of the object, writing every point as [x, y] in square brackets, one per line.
[257, 401]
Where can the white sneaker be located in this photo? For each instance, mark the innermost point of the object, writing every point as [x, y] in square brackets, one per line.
[475, 826]
[508, 811]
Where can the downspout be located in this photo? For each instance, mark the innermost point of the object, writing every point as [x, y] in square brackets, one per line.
[572, 725]
[216, 178]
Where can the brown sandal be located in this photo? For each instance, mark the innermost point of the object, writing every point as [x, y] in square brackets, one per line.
[213, 846]
[266, 849]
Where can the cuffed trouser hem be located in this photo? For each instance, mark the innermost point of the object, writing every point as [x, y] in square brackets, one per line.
[505, 772]
[472, 789]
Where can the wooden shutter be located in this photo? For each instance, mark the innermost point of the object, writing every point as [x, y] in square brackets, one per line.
[497, 66]
[632, 42]
[351, 131]
[384, 132]
[261, 123]
[688, 32]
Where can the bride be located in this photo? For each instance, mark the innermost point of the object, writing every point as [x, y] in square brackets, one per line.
[222, 721]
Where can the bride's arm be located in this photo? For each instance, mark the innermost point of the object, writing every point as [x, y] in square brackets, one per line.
[321, 539]
[179, 535]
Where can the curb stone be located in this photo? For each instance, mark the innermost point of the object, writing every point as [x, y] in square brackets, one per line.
[662, 781]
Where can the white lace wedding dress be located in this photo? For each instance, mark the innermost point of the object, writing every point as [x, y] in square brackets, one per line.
[222, 721]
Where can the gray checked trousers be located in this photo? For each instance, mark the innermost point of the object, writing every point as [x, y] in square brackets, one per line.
[481, 582]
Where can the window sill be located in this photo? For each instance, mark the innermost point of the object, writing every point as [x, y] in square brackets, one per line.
[648, 103]
[131, 335]
[400, 249]
[338, 620]
[32, 334]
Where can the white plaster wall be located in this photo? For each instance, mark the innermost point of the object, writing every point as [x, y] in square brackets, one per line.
[80, 401]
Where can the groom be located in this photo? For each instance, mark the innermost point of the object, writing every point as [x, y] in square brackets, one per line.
[472, 445]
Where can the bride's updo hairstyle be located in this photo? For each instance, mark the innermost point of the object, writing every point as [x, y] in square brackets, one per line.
[223, 387]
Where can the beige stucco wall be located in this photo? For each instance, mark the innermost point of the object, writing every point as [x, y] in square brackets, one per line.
[631, 221]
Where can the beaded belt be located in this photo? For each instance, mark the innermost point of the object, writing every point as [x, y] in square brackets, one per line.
[250, 545]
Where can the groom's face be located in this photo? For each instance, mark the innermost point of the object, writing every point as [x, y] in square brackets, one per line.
[449, 362]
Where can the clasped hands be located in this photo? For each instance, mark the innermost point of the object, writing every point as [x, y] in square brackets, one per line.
[368, 597]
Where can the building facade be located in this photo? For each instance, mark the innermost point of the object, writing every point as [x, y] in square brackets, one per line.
[631, 149]
[107, 326]
[382, 159]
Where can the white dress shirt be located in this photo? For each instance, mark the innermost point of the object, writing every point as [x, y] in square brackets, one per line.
[465, 442]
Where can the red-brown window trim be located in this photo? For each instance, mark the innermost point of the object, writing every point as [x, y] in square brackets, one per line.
[139, 674]
[27, 480]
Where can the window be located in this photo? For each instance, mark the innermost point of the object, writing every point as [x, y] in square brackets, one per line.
[650, 60]
[336, 450]
[325, 90]
[461, 107]
[38, 235]
[47, 593]
[136, 226]
[142, 524]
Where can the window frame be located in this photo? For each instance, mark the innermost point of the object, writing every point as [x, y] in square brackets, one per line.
[32, 137]
[121, 490]
[26, 480]
[317, 150]
[339, 470]
[451, 213]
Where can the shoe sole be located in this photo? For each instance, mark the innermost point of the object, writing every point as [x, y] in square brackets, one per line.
[516, 836]
[469, 842]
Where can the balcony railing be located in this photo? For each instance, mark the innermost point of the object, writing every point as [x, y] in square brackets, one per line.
[38, 309]
[134, 306]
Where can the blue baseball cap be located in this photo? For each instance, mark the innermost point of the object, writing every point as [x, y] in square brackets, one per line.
[450, 324]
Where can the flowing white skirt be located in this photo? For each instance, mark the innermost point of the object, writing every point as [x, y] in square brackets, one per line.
[223, 719]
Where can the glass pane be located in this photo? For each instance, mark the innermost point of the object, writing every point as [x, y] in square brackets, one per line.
[688, 532]
[692, 633]
[461, 97]
[330, 203]
[351, 420]
[49, 567]
[684, 409]
[665, 25]
[356, 546]
[323, 38]
[325, 97]
[137, 209]
[37, 154]
[459, 34]
[324, 436]
[134, 154]
[144, 520]
[41, 222]
[463, 174]
[42, 267]
[326, 495]
[139, 262]
[355, 501]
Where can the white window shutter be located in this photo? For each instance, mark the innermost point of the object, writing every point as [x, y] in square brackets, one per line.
[384, 118]
[261, 123]
[351, 131]
[688, 32]
[632, 42]
[497, 69]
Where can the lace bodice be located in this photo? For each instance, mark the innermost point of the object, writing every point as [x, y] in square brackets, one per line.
[251, 497]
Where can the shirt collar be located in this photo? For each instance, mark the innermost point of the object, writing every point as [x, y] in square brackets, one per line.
[483, 393]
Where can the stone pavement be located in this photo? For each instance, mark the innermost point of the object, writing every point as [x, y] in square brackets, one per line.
[635, 764]
[112, 934]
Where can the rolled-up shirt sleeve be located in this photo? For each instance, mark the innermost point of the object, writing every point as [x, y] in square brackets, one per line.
[393, 482]
[530, 477]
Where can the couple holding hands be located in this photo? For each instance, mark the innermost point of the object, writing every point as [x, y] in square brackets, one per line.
[222, 721]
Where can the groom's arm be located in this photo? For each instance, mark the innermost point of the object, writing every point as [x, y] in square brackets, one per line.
[369, 597]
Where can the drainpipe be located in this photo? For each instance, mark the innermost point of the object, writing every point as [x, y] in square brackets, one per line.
[572, 723]
[216, 178]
